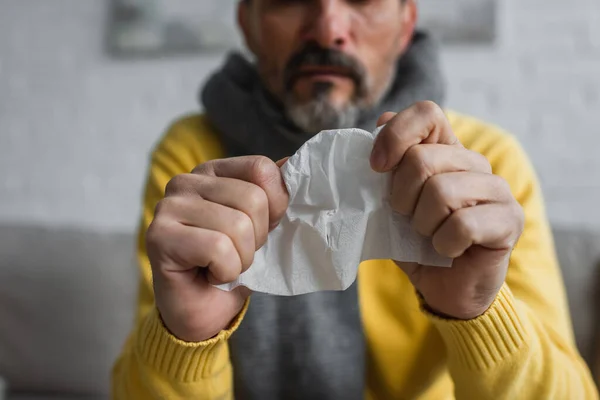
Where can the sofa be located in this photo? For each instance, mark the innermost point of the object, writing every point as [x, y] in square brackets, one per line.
[66, 305]
[67, 300]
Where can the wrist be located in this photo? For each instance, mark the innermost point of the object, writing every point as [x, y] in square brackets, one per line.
[457, 313]
[191, 333]
[176, 359]
[182, 332]
[479, 343]
[208, 326]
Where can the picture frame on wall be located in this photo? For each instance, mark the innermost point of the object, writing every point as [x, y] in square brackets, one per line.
[460, 22]
[159, 27]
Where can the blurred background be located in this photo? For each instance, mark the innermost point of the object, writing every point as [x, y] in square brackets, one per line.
[88, 86]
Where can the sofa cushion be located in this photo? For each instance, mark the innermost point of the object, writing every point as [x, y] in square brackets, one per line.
[67, 299]
[579, 256]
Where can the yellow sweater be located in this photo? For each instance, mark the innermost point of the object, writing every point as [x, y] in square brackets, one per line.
[521, 348]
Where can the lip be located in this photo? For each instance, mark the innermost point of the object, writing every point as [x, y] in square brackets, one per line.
[321, 74]
[309, 71]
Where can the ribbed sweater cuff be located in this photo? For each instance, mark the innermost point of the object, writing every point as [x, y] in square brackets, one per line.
[486, 340]
[179, 360]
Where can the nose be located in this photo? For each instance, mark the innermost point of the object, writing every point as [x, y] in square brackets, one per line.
[328, 24]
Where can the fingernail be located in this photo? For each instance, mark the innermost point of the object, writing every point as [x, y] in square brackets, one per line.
[378, 159]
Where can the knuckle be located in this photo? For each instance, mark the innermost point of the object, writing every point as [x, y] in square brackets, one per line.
[502, 188]
[515, 220]
[519, 216]
[429, 108]
[159, 209]
[206, 168]
[165, 206]
[241, 225]
[168, 205]
[502, 184]
[440, 190]
[263, 170]
[256, 200]
[178, 184]
[157, 231]
[153, 235]
[221, 246]
[482, 163]
[463, 225]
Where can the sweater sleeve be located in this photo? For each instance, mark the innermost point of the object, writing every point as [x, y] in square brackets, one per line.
[153, 363]
[523, 346]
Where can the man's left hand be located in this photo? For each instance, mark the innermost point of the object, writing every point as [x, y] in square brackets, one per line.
[453, 197]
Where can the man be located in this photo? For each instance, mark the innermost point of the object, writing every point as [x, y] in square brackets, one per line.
[494, 326]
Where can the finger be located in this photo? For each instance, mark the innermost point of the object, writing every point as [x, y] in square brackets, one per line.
[185, 247]
[444, 194]
[282, 161]
[494, 226]
[240, 195]
[385, 118]
[423, 161]
[424, 122]
[200, 213]
[243, 291]
[258, 170]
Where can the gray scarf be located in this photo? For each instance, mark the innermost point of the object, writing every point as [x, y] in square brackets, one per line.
[310, 346]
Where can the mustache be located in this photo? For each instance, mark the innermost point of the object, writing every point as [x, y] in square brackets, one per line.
[314, 55]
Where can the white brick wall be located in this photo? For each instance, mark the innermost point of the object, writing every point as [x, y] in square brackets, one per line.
[542, 83]
[76, 126]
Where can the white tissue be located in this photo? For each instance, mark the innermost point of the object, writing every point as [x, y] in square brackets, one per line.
[338, 216]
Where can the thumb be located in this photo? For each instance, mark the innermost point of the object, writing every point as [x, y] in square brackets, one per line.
[281, 162]
[385, 118]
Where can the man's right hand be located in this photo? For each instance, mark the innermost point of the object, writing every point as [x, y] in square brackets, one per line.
[206, 231]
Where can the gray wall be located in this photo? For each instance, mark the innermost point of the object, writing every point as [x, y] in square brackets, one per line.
[76, 126]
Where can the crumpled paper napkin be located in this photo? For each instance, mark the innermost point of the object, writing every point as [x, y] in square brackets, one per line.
[338, 216]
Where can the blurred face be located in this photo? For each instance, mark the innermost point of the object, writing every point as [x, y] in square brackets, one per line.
[327, 60]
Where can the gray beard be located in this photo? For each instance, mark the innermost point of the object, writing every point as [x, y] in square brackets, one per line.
[318, 115]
